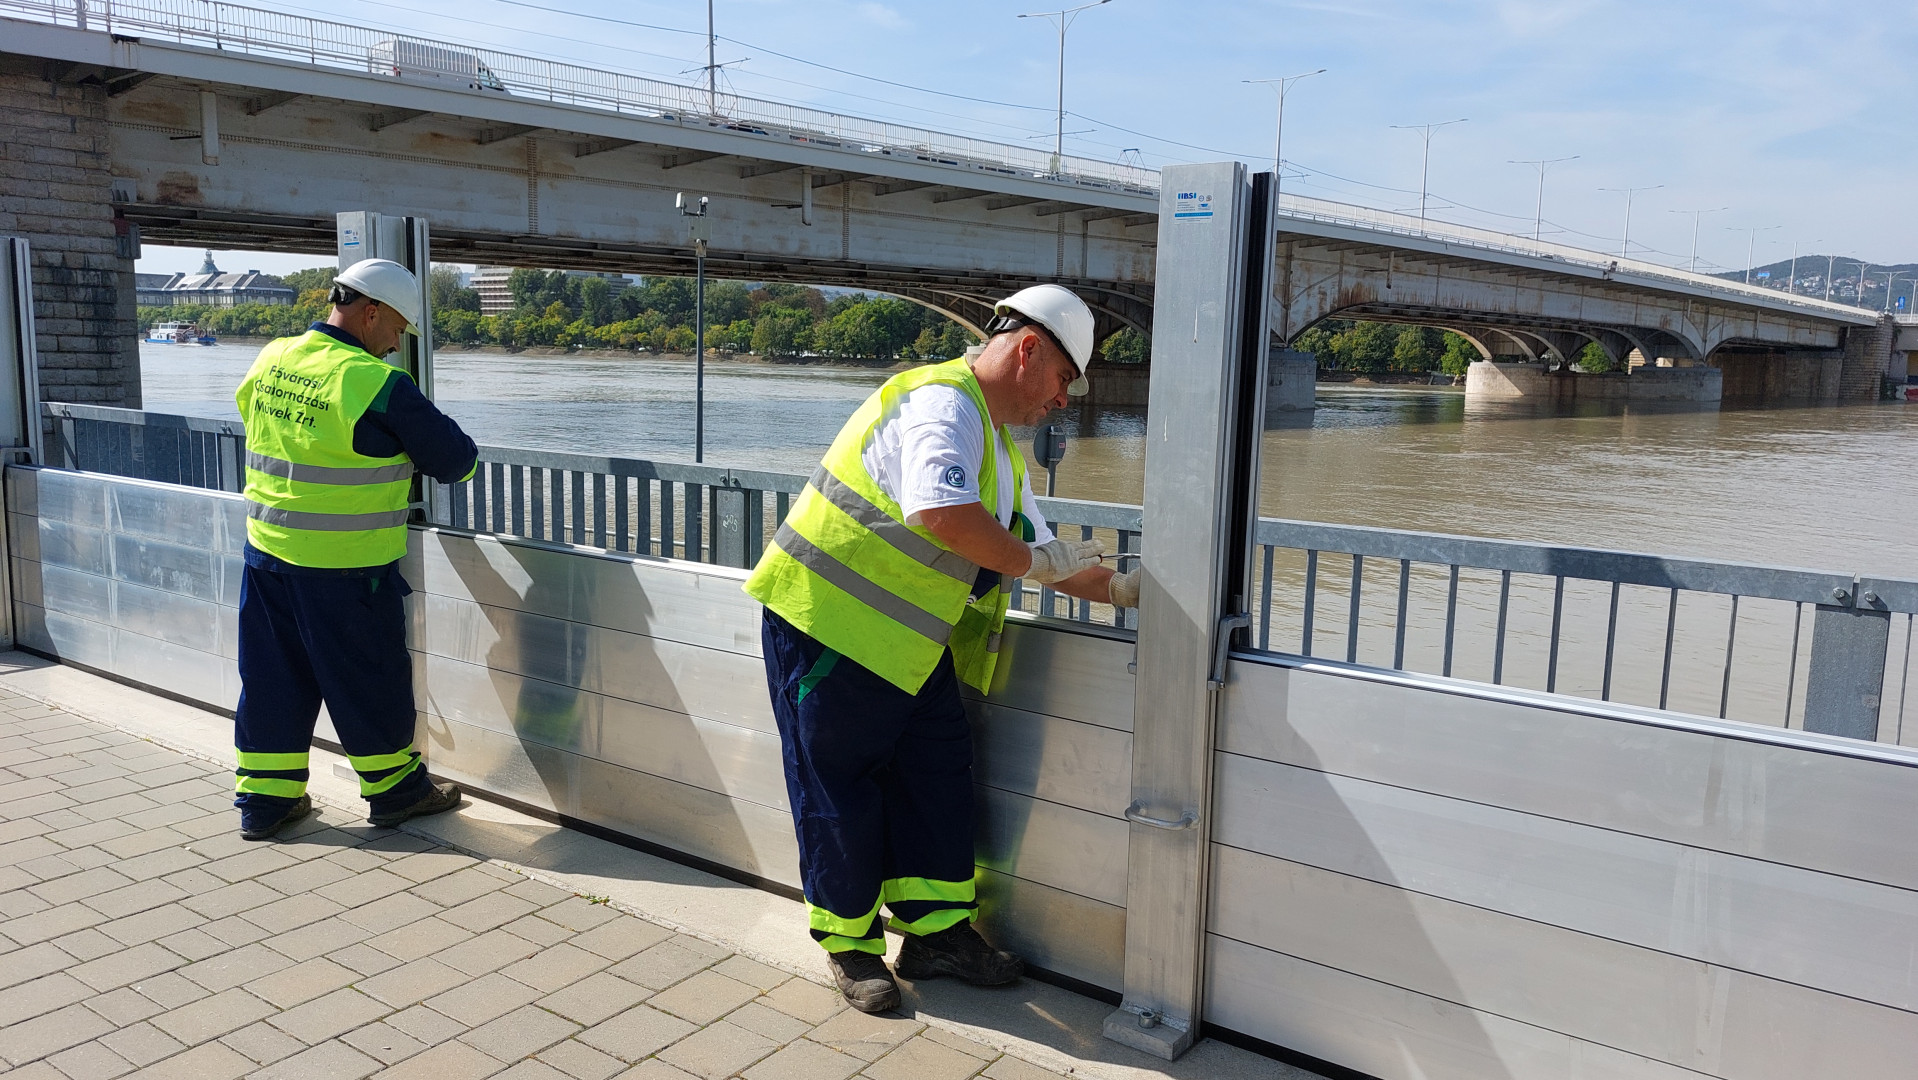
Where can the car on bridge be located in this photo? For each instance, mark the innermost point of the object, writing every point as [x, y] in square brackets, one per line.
[401, 58]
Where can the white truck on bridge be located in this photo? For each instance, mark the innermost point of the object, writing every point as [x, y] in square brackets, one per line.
[402, 58]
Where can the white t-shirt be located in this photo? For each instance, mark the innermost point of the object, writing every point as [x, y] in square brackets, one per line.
[927, 451]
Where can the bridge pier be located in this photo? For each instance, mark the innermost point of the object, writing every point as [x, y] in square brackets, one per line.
[56, 190]
[1496, 380]
[1774, 376]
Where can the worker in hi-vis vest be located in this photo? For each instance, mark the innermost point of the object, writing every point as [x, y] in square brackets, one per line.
[333, 437]
[885, 588]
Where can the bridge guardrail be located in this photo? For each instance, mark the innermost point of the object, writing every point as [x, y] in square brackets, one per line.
[1615, 625]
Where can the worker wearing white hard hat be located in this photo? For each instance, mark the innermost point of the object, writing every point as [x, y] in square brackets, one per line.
[885, 589]
[394, 295]
[334, 438]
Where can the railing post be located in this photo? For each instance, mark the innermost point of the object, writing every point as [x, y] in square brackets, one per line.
[729, 526]
[1211, 297]
[1847, 667]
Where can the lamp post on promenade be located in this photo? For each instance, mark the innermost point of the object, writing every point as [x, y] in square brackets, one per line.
[1064, 19]
[1281, 85]
[1425, 162]
[697, 231]
[1625, 242]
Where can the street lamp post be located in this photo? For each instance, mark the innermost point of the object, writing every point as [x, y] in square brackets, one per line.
[1831, 267]
[1425, 162]
[1891, 283]
[1625, 242]
[1696, 216]
[1792, 285]
[697, 229]
[1281, 85]
[1064, 19]
[1538, 219]
[1751, 244]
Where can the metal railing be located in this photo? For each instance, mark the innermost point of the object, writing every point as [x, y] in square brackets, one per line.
[672, 510]
[189, 450]
[1760, 644]
[276, 35]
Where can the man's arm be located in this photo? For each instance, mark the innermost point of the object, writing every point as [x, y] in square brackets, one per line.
[967, 529]
[975, 534]
[402, 421]
[1094, 584]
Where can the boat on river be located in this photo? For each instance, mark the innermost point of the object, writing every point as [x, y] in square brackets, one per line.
[179, 333]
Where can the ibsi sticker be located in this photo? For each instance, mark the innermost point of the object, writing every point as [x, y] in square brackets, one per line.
[349, 237]
[1191, 206]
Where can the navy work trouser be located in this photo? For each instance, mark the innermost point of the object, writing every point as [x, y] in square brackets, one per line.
[310, 636]
[881, 788]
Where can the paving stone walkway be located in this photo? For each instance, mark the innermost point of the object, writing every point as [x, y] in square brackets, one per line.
[138, 932]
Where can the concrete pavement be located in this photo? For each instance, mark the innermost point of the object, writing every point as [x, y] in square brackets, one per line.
[139, 932]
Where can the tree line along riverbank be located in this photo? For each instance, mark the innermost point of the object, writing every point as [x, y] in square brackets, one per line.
[655, 315]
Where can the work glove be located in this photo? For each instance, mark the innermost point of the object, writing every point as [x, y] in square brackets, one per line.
[1125, 589]
[1057, 560]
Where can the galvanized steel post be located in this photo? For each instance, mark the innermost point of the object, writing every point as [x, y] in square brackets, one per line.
[368, 234]
[1208, 377]
[19, 392]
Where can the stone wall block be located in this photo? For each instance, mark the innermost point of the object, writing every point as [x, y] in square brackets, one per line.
[55, 189]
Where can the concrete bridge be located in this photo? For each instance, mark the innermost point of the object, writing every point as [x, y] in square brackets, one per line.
[238, 127]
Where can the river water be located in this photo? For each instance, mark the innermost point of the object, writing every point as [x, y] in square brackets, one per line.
[1820, 487]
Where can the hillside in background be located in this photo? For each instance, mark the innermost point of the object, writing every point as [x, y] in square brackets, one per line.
[1844, 272]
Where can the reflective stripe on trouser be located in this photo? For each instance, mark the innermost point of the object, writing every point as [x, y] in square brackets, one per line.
[278, 775]
[338, 639]
[881, 788]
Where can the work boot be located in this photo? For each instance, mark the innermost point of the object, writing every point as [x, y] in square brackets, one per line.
[442, 798]
[960, 952]
[262, 824]
[862, 977]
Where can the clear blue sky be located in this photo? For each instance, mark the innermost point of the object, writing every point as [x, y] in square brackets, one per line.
[1792, 113]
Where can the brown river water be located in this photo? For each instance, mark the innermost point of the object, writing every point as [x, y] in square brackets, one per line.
[1829, 488]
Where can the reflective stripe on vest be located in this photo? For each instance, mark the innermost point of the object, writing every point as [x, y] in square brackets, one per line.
[328, 474]
[910, 544]
[899, 610]
[302, 519]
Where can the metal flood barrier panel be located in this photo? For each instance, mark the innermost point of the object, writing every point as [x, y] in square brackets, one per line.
[619, 690]
[1420, 879]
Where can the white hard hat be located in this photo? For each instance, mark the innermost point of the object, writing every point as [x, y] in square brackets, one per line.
[1065, 315]
[389, 283]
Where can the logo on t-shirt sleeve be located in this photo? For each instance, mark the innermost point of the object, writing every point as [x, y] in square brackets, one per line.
[956, 477]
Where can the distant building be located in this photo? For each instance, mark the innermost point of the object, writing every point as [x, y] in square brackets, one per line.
[497, 296]
[490, 283]
[211, 287]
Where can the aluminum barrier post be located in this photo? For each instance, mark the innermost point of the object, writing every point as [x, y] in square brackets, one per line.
[368, 234]
[20, 423]
[1211, 307]
[1847, 677]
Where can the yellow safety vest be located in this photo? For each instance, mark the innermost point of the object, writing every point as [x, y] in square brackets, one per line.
[311, 500]
[847, 570]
